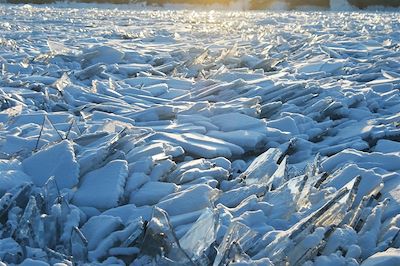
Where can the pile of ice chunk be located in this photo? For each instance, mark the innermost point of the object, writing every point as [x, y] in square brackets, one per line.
[194, 138]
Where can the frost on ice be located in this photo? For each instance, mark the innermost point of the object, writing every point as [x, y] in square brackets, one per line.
[194, 138]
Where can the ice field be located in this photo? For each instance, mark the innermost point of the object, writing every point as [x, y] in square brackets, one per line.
[162, 137]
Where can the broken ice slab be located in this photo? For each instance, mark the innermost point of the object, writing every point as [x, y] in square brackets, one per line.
[201, 235]
[32, 137]
[201, 146]
[265, 165]
[280, 175]
[33, 262]
[210, 90]
[234, 197]
[129, 212]
[78, 245]
[330, 66]
[103, 187]
[57, 48]
[389, 162]
[176, 83]
[370, 180]
[183, 222]
[237, 234]
[151, 193]
[286, 124]
[371, 229]
[161, 169]
[340, 237]
[11, 251]
[101, 54]
[97, 149]
[390, 191]
[118, 242]
[160, 242]
[303, 249]
[198, 169]
[57, 160]
[38, 116]
[156, 150]
[154, 113]
[196, 119]
[18, 195]
[99, 115]
[247, 139]
[236, 121]
[99, 227]
[189, 200]
[196, 166]
[130, 69]
[180, 128]
[388, 257]
[30, 227]
[217, 173]
[285, 242]
[11, 175]
[387, 146]
[135, 181]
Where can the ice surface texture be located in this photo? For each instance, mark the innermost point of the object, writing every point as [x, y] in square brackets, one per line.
[195, 138]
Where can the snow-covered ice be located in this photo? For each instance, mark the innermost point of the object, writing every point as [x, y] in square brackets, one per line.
[161, 137]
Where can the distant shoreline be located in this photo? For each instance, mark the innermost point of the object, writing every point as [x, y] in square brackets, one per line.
[239, 4]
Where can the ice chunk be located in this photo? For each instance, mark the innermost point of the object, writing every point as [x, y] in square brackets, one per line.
[329, 67]
[235, 241]
[17, 68]
[201, 235]
[161, 243]
[247, 139]
[57, 48]
[122, 212]
[390, 162]
[369, 180]
[99, 227]
[32, 262]
[236, 121]
[200, 145]
[193, 174]
[265, 165]
[233, 197]
[12, 178]
[144, 212]
[388, 257]
[135, 181]
[123, 237]
[102, 54]
[58, 161]
[103, 187]
[387, 146]
[189, 200]
[287, 124]
[15, 145]
[9, 246]
[151, 193]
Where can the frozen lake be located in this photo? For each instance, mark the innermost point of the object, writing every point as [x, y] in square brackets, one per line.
[180, 137]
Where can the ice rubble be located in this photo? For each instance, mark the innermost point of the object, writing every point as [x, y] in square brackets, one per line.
[132, 137]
